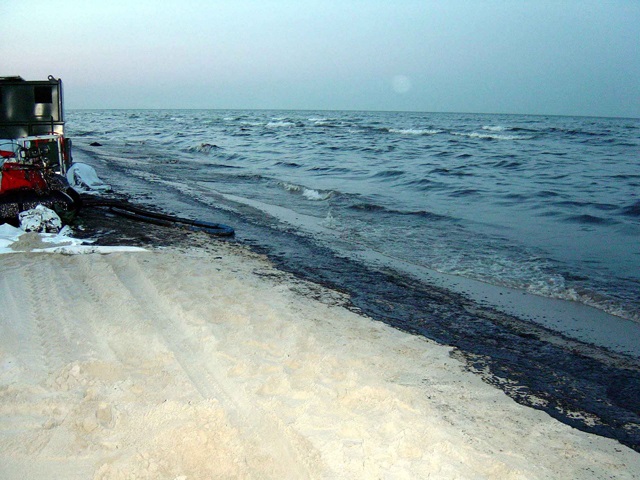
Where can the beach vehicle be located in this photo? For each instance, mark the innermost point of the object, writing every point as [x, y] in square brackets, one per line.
[35, 156]
[34, 153]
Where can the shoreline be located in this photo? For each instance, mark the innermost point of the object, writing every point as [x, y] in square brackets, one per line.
[201, 359]
[573, 319]
[577, 383]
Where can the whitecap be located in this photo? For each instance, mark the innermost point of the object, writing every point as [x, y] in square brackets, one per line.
[308, 193]
[290, 187]
[322, 122]
[488, 136]
[280, 124]
[315, 195]
[413, 131]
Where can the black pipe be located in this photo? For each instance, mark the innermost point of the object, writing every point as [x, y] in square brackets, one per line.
[126, 210]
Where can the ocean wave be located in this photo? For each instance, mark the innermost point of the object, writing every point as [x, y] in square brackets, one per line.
[368, 207]
[547, 194]
[457, 172]
[630, 176]
[331, 170]
[413, 131]
[375, 208]
[583, 296]
[389, 174]
[632, 210]
[532, 277]
[288, 164]
[420, 182]
[490, 136]
[203, 148]
[502, 128]
[308, 193]
[323, 122]
[575, 132]
[280, 124]
[590, 220]
[328, 123]
[508, 164]
[580, 295]
[223, 165]
[465, 192]
[585, 204]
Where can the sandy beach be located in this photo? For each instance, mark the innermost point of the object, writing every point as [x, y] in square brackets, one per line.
[205, 362]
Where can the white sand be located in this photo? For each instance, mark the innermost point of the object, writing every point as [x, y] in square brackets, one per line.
[211, 364]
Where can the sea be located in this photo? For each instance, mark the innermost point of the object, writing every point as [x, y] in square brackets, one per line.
[534, 220]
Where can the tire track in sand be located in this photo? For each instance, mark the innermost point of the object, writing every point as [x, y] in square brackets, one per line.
[21, 340]
[19, 335]
[37, 309]
[271, 441]
[48, 297]
[43, 300]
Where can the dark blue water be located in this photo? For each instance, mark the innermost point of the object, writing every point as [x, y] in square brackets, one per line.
[546, 205]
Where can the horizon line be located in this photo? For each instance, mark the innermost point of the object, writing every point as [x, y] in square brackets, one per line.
[361, 110]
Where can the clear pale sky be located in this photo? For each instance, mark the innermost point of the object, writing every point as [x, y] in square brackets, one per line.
[561, 57]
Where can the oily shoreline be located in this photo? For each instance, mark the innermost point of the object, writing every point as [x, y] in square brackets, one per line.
[203, 361]
[589, 388]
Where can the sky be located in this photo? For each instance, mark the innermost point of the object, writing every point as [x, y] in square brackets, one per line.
[555, 57]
